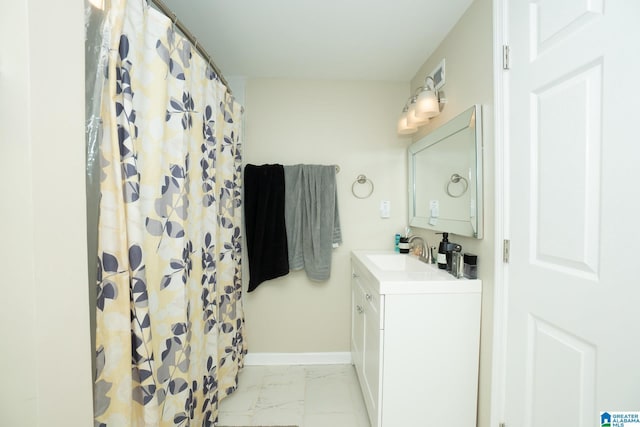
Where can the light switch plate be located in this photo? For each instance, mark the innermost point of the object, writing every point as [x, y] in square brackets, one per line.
[385, 208]
[434, 208]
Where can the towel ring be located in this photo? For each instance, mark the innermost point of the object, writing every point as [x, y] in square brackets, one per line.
[362, 179]
[455, 178]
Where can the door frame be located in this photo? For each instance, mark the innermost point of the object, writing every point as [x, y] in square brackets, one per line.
[501, 212]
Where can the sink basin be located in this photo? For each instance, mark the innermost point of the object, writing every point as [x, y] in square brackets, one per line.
[397, 262]
[395, 273]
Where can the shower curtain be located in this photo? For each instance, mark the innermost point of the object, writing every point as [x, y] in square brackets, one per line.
[169, 323]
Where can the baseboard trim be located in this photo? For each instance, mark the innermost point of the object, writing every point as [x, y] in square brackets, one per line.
[257, 359]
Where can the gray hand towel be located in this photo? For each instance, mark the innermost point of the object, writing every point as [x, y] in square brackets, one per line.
[311, 218]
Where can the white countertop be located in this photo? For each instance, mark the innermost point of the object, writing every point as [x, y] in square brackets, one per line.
[396, 273]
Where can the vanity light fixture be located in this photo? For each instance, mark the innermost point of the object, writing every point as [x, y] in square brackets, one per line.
[413, 116]
[427, 102]
[404, 127]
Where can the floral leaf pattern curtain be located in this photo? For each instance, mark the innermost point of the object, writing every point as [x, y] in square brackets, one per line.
[169, 326]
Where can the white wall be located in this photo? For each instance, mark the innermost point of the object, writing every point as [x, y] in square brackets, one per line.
[44, 319]
[468, 50]
[351, 124]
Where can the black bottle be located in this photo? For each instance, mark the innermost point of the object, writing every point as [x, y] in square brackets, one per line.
[470, 266]
[442, 251]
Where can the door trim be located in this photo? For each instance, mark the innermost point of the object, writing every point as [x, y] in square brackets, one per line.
[501, 214]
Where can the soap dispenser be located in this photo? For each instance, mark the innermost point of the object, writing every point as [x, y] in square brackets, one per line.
[442, 251]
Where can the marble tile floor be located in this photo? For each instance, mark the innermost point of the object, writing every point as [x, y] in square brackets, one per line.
[306, 396]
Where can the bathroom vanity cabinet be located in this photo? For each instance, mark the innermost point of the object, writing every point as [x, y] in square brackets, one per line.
[415, 337]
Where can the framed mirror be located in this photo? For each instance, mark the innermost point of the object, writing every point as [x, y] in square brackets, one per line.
[445, 177]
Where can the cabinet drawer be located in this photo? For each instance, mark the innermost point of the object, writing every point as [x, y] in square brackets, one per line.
[373, 302]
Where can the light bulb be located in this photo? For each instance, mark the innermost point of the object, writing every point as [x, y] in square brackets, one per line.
[404, 127]
[427, 105]
[414, 119]
[412, 114]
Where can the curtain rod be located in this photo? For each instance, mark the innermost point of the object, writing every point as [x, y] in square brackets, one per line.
[194, 41]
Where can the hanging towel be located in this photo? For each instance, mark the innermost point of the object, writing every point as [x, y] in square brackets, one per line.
[264, 194]
[312, 219]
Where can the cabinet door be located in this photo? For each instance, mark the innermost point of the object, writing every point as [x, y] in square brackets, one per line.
[357, 324]
[431, 345]
[372, 356]
[373, 336]
[366, 339]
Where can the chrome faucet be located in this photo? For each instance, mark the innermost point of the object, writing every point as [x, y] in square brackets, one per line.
[425, 252]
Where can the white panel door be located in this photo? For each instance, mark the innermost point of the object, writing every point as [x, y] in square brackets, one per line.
[573, 282]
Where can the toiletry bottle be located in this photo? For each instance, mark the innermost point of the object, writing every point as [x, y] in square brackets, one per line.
[434, 254]
[442, 251]
[470, 266]
[456, 264]
[404, 245]
[397, 247]
[404, 241]
[451, 249]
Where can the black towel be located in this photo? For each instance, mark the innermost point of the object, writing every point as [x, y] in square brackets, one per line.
[264, 223]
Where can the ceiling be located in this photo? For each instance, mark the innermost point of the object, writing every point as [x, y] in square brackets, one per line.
[320, 39]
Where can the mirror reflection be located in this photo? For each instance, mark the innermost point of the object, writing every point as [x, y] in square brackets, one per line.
[445, 177]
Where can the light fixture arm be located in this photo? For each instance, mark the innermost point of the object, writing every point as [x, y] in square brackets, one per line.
[430, 84]
[433, 83]
[426, 86]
